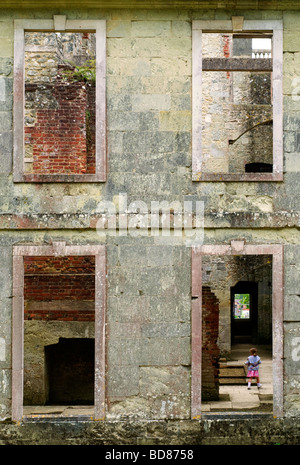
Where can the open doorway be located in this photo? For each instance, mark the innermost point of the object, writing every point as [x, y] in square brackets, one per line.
[59, 330]
[237, 304]
[58, 337]
[232, 323]
[244, 297]
[70, 371]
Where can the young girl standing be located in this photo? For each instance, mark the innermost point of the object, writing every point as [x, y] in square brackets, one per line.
[253, 363]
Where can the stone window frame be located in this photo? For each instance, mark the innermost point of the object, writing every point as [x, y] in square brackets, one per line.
[237, 24]
[58, 248]
[59, 23]
[238, 248]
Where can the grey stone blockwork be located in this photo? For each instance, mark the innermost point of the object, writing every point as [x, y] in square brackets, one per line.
[149, 149]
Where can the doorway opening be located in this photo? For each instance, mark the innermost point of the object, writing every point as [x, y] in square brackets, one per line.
[238, 295]
[58, 330]
[70, 371]
[232, 323]
[244, 312]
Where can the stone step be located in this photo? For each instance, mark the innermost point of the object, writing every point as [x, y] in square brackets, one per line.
[265, 397]
[232, 375]
[232, 382]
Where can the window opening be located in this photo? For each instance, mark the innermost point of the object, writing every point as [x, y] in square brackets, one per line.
[237, 102]
[59, 122]
[59, 74]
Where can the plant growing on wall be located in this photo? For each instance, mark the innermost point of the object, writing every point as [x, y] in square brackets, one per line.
[85, 72]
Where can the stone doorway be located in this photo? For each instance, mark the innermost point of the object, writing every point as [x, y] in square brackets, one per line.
[221, 267]
[59, 322]
[243, 303]
[59, 293]
[70, 372]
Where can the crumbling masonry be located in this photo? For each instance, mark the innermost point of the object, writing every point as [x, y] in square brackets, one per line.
[149, 170]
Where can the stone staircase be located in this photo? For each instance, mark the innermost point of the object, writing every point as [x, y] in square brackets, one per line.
[232, 375]
[235, 374]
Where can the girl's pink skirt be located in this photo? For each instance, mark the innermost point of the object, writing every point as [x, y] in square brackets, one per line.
[252, 374]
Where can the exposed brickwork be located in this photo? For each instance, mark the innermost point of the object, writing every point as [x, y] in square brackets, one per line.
[210, 349]
[63, 138]
[56, 279]
[91, 129]
[46, 265]
[59, 287]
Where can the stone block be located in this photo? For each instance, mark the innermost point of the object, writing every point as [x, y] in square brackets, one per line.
[169, 308]
[158, 381]
[166, 330]
[181, 28]
[292, 348]
[148, 142]
[291, 254]
[292, 307]
[292, 280]
[119, 102]
[124, 352]
[291, 20]
[6, 29]
[122, 121]
[123, 381]
[290, 142]
[159, 256]
[150, 102]
[165, 351]
[5, 389]
[132, 255]
[149, 121]
[133, 407]
[118, 28]
[124, 330]
[7, 47]
[6, 66]
[291, 41]
[150, 28]
[292, 162]
[128, 308]
[175, 120]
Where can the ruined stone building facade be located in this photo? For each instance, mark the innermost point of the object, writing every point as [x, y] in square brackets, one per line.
[149, 170]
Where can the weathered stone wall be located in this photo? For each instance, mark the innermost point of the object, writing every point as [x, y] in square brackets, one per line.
[149, 158]
[209, 432]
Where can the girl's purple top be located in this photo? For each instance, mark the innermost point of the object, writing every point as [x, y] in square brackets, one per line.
[253, 362]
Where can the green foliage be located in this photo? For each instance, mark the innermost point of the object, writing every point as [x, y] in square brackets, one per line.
[244, 299]
[85, 72]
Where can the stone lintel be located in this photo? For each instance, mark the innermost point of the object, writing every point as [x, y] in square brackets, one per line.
[237, 64]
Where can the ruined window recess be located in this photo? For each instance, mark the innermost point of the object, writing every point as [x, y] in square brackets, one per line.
[59, 100]
[237, 130]
[242, 251]
[54, 288]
